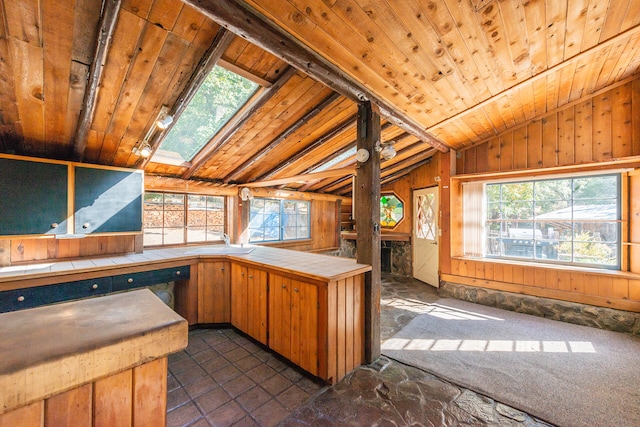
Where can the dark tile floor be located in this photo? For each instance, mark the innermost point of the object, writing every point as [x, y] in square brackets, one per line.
[224, 379]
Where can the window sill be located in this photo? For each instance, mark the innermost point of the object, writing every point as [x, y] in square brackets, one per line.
[587, 270]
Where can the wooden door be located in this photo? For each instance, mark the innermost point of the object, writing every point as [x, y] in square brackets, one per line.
[425, 235]
[256, 304]
[214, 292]
[280, 315]
[304, 326]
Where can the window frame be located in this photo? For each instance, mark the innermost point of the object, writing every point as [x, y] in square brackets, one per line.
[281, 225]
[476, 250]
[185, 225]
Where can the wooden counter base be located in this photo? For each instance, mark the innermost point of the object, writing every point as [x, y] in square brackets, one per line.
[115, 347]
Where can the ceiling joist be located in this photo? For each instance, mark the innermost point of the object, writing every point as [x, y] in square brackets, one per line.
[303, 178]
[105, 35]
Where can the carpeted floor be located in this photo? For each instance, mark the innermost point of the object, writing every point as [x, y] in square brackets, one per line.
[565, 374]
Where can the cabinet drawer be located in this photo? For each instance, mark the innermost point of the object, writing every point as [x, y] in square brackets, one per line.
[148, 278]
[19, 299]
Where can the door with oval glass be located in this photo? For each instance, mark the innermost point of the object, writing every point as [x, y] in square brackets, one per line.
[425, 235]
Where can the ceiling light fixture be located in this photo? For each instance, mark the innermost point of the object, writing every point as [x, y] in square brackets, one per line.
[164, 119]
[162, 122]
[386, 150]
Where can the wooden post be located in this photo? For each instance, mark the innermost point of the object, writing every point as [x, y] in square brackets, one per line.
[367, 202]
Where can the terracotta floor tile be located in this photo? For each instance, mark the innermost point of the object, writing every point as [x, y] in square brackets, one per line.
[227, 414]
[200, 386]
[182, 364]
[238, 385]
[225, 374]
[253, 398]
[177, 397]
[237, 354]
[248, 363]
[190, 375]
[215, 364]
[270, 414]
[212, 400]
[293, 397]
[276, 384]
[183, 415]
[261, 373]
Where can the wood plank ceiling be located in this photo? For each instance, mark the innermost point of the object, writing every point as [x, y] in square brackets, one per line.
[72, 86]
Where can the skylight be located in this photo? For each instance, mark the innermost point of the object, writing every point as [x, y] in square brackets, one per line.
[338, 159]
[217, 100]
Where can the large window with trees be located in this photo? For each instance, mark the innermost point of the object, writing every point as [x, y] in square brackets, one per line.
[569, 220]
[215, 102]
[171, 219]
[274, 220]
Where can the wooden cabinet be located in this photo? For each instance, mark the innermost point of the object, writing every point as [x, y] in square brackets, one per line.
[214, 292]
[293, 321]
[33, 197]
[107, 200]
[249, 300]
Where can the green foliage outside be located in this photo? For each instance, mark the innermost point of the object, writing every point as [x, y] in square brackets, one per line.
[561, 210]
[219, 97]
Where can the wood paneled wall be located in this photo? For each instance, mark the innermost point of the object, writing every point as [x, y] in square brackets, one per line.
[422, 177]
[595, 129]
[19, 250]
[599, 132]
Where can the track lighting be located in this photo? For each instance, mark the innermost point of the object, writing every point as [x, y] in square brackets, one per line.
[144, 150]
[164, 119]
[162, 122]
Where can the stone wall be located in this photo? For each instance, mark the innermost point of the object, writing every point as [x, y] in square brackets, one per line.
[400, 254]
[579, 314]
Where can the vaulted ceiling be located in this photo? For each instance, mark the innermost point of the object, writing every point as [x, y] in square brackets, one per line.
[85, 79]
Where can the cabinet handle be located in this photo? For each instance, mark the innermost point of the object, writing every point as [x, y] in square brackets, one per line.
[222, 269]
[242, 274]
[130, 280]
[295, 289]
[251, 276]
[21, 298]
[54, 225]
[284, 286]
[178, 272]
[94, 286]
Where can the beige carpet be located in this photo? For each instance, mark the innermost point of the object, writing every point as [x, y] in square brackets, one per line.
[564, 374]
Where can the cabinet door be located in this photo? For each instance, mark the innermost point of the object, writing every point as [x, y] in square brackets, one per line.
[33, 197]
[293, 321]
[107, 200]
[257, 304]
[214, 292]
[280, 315]
[249, 301]
[304, 326]
[239, 296]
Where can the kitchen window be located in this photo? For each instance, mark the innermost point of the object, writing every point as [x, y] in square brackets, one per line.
[171, 218]
[275, 220]
[572, 220]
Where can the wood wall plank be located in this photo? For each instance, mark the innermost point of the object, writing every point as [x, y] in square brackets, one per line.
[26, 416]
[73, 407]
[113, 400]
[150, 393]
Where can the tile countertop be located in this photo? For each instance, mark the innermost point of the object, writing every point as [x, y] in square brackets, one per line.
[50, 349]
[310, 265]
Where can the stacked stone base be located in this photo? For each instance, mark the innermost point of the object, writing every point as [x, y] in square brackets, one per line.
[579, 314]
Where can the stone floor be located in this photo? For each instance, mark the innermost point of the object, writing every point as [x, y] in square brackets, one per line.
[224, 379]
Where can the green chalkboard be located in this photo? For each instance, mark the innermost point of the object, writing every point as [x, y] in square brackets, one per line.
[33, 197]
[107, 200]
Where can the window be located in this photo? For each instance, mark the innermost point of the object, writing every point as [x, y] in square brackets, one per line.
[182, 218]
[215, 102]
[391, 210]
[273, 220]
[571, 220]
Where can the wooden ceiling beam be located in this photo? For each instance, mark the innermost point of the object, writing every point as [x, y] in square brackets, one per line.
[303, 178]
[105, 35]
[221, 41]
[225, 136]
[256, 28]
[337, 130]
[282, 137]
